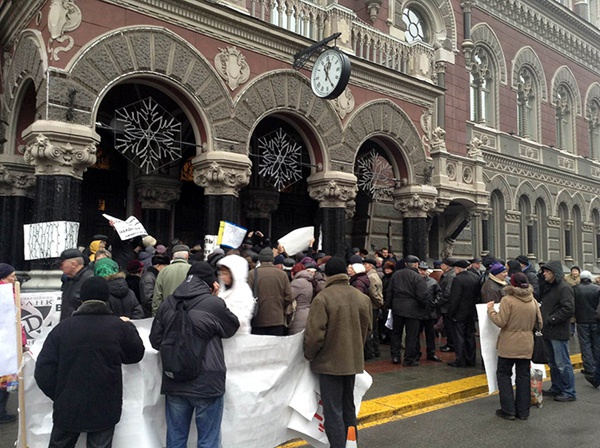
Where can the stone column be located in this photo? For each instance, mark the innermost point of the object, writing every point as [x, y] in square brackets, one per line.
[333, 190]
[222, 175]
[415, 202]
[16, 181]
[258, 204]
[157, 194]
[60, 153]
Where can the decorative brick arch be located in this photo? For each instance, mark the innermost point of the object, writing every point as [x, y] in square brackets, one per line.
[288, 91]
[564, 76]
[570, 201]
[440, 17]
[385, 118]
[592, 94]
[526, 188]
[482, 34]
[499, 182]
[526, 57]
[594, 205]
[149, 52]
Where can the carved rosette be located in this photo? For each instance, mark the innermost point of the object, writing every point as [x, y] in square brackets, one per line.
[60, 149]
[333, 189]
[14, 181]
[157, 192]
[260, 203]
[220, 173]
[415, 201]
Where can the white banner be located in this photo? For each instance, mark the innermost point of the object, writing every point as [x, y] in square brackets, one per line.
[129, 228]
[8, 331]
[39, 310]
[49, 239]
[231, 235]
[271, 396]
[488, 338]
[297, 240]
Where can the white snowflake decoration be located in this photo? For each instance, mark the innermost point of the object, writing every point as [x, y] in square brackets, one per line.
[151, 136]
[280, 159]
[375, 175]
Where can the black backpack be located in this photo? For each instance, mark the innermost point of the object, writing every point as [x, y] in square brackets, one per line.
[182, 349]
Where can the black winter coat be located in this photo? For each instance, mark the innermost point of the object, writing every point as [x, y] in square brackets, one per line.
[407, 294]
[464, 294]
[147, 290]
[79, 367]
[70, 292]
[558, 304]
[446, 286]
[122, 300]
[212, 322]
[434, 294]
[532, 278]
[587, 298]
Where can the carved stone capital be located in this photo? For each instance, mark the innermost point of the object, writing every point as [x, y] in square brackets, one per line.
[260, 203]
[350, 209]
[15, 180]
[157, 192]
[56, 148]
[333, 189]
[415, 201]
[220, 172]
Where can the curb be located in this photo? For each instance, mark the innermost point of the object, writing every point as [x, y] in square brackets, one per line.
[398, 404]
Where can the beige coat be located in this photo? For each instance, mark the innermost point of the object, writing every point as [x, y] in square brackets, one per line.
[339, 320]
[375, 289]
[517, 317]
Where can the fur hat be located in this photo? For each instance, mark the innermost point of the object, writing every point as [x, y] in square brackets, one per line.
[95, 288]
[203, 271]
[359, 268]
[148, 241]
[266, 255]
[585, 274]
[335, 265]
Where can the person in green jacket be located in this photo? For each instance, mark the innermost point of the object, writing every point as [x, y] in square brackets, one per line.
[169, 278]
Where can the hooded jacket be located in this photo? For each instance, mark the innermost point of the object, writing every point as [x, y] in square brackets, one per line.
[517, 316]
[558, 304]
[302, 292]
[238, 297]
[122, 300]
[212, 321]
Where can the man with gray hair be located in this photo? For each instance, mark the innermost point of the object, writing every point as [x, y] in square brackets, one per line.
[169, 278]
[72, 265]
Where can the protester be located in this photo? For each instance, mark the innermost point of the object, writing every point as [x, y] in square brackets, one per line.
[517, 316]
[338, 323]
[302, 288]
[72, 265]
[134, 273]
[148, 281]
[587, 298]
[98, 242]
[531, 274]
[273, 293]
[171, 276]
[493, 288]
[358, 274]
[446, 280]
[234, 289]
[375, 293]
[202, 395]
[573, 277]
[122, 300]
[557, 309]
[79, 368]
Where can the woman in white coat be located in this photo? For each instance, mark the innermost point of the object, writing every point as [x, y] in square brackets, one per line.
[234, 289]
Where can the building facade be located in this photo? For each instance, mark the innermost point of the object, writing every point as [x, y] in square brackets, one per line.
[466, 127]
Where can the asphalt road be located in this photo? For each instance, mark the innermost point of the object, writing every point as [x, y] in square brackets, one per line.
[474, 424]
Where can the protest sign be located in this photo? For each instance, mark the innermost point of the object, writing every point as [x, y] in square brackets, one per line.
[38, 311]
[210, 244]
[8, 331]
[129, 228]
[265, 376]
[297, 240]
[49, 239]
[231, 235]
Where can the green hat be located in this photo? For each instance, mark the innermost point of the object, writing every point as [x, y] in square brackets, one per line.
[105, 267]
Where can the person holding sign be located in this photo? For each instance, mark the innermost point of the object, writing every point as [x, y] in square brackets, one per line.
[7, 275]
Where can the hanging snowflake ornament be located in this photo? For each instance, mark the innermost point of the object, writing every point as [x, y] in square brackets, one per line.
[149, 136]
[280, 159]
[375, 175]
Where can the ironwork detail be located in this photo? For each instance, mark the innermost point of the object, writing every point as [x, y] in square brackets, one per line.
[280, 159]
[150, 137]
[302, 57]
[375, 176]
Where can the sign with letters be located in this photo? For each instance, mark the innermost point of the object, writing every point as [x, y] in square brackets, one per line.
[49, 239]
[129, 228]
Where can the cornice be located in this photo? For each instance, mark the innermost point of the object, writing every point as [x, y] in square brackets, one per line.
[551, 24]
[542, 173]
[247, 32]
[15, 19]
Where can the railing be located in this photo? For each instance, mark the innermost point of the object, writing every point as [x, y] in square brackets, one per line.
[312, 20]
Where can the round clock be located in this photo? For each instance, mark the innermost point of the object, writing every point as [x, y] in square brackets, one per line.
[330, 74]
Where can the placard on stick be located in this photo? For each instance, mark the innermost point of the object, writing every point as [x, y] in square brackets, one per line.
[49, 239]
[231, 235]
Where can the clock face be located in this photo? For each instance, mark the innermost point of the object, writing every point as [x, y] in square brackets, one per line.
[330, 74]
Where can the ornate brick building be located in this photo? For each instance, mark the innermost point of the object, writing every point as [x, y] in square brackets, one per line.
[466, 127]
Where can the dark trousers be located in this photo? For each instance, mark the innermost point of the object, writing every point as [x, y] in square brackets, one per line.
[449, 328]
[426, 325]
[278, 330]
[337, 395]
[510, 404]
[372, 342]
[464, 342]
[412, 338]
[3, 399]
[68, 439]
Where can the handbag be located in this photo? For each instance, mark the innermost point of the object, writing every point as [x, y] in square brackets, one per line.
[540, 354]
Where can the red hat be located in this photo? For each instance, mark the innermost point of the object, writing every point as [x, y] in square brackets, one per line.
[135, 266]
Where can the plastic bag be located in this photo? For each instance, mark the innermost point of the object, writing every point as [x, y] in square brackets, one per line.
[537, 378]
[9, 383]
[389, 322]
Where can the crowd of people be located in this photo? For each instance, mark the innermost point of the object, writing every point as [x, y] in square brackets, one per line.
[347, 306]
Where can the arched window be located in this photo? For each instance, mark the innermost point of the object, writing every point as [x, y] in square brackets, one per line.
[577, 235]
[566, 248]
[564, 119]
[542, 234]
[527, 230]
[594, 124]
[416, 26]
[496, 230]
[596, 221]
[527, 104]
[483, 87]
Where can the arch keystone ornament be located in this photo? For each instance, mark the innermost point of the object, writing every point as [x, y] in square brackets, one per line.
[231, 65]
